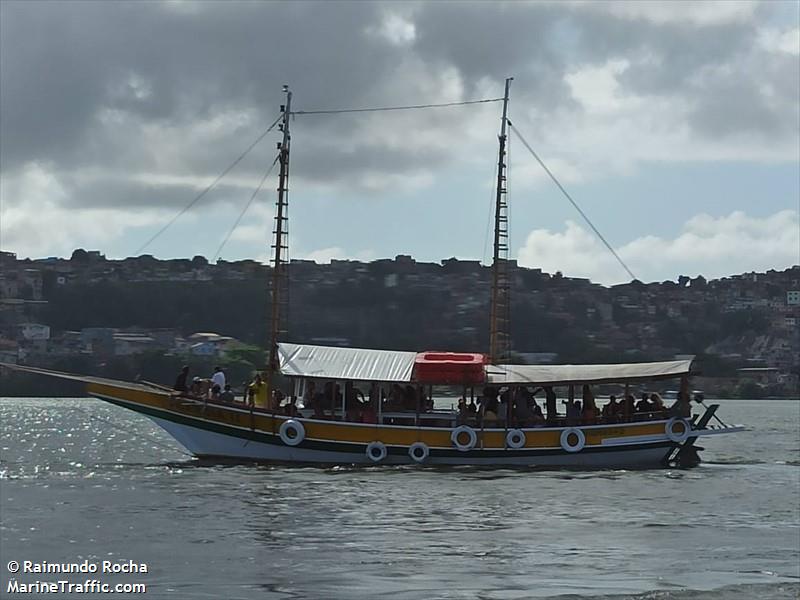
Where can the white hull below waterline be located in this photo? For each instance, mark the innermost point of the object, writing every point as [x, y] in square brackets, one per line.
[207, 444]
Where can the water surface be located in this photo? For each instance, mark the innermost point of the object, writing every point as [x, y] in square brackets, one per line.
[83, 479]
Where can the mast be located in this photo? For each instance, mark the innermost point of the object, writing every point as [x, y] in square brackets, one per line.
[280, 282]
[500, 308]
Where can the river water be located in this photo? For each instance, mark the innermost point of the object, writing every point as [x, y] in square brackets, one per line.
[83, 480]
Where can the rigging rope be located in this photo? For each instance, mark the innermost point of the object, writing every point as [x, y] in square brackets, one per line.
[414, 106]
[575, 204]
[244, 210]
[210, 186]
[205, 191]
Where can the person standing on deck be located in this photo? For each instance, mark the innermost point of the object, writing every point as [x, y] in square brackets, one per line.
[180, 381]
[218, 378]
[682, 406]
[590, 413]
[257, 392]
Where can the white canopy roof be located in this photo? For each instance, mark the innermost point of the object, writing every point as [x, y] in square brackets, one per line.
[303, 360]
[562, 374]
[329, 362]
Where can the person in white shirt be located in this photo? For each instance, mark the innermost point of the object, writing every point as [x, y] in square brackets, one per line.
[218, 378]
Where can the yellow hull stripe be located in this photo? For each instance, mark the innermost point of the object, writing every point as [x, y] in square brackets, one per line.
[332, 431]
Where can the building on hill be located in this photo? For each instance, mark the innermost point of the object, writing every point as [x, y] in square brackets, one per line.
[205, 343]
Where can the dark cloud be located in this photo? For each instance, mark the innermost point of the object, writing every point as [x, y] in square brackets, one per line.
[64, 63]
[136, 87]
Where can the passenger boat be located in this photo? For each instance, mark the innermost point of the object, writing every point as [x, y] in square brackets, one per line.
[400, 423]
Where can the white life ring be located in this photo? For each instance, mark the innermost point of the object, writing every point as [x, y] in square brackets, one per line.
[376, 451]
[419, 452]
[515, 438]
[292, 432]
[458, 431]
[678, 438]
[576, 447]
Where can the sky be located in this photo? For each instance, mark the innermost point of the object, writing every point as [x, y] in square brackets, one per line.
[675, 126]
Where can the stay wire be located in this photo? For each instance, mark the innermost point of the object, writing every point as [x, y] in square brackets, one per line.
[568, 197]
[246, 207]
[209, 187]
[385, 108]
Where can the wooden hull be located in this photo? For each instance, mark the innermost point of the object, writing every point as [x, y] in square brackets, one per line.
[209, 444]
[237, 432]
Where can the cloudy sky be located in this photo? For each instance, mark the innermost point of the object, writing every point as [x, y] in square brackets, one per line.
[675, 125]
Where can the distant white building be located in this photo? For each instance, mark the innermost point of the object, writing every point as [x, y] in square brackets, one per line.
[203, 349]
[208, 343]
[34, 331]
[128, 344]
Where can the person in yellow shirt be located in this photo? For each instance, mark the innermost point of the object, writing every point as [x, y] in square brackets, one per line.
[257, 392]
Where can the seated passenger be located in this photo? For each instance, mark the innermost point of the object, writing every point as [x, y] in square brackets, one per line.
[610, 409]
[195, 388]
[472, 408]
[368, 414]
[395, 399]
[573, 411]
[489, 418]
[628, 406]
[681, 407]
[522, 411]
[463, 414]
[656, 403]
[309, 393]
[318, 404]
[643, 405]
[504, 404]
[537, 410]
[277, 400]
[328, 396]
[227, 395]
[290, 409]
[425, 401]
[410, 398]
[536, 418]
[488, 400]
[215, 392]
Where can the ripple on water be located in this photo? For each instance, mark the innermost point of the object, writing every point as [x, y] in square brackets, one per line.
[402, 531]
